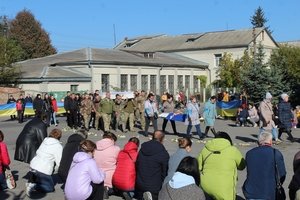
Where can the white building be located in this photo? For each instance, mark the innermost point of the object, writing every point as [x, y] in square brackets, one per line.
[206, 47]
[106, 70]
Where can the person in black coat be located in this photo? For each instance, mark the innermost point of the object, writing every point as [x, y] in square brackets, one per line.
[295, 182]
[30, 139]
[37, 105]
[151, 166]
[285, 117]
[71, 147]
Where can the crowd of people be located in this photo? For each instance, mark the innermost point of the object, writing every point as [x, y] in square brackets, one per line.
[147, 171]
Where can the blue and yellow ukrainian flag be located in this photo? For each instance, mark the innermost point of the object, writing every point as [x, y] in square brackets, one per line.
[228, 109]
[10, 109]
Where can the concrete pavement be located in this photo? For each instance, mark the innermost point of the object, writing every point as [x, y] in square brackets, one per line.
[243, 137]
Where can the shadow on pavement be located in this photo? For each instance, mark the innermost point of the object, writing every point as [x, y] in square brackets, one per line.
[245, 139]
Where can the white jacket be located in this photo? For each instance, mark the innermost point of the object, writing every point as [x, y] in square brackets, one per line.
[47, 154]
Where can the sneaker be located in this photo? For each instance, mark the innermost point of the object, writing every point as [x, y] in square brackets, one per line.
[147, 196]
[29, 188]
[278, 141]
[105, 193]
[126, 196]
[255, 125]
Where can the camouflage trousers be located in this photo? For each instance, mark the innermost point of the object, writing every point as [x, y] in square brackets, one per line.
[129, 116]
[106, 120]
[97, 118]
[86, 119]
[139, 116]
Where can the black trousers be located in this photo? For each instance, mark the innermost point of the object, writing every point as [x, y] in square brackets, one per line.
[172, 123]
[97, 193]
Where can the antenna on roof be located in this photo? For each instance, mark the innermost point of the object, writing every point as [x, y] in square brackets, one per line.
[114, 35]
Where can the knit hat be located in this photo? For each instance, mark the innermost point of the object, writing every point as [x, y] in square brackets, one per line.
[284, 95]
[268, 95]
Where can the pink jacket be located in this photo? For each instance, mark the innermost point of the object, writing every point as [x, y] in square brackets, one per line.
[106, 158]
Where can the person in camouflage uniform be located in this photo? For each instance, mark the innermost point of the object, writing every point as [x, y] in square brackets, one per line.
[140, 111]
[106, 108]
[119, 105]
[97, 100]
[86, 107]
[129, 108]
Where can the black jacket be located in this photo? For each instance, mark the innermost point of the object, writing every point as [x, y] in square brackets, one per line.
[30, 139]
[151, 166]
[71, 147]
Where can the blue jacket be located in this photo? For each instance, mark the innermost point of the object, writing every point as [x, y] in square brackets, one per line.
[261, 182]
[209, 113]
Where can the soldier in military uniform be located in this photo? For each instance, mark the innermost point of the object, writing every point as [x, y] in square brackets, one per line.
[119, 105]
[140, 109]
[106, 108]
[129, 108]
[97, 100]
[86, 107]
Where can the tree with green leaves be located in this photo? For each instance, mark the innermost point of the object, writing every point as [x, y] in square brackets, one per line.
[229, 71]
[286, 60]
[255, 77]
[10, 52]
[29, 34]
[259, 20]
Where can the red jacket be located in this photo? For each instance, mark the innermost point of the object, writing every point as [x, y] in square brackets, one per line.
[54, 105]
[125, 174]
[4, 157]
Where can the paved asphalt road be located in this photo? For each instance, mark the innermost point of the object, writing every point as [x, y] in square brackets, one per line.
[243, 137]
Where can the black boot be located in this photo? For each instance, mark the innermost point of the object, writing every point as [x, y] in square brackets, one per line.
[206, 131]
[214, 131]
[291, 138]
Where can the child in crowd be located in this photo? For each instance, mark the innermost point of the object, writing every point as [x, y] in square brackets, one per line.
[4, 161]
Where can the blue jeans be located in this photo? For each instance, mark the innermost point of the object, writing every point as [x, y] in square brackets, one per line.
[43, 181]
[198, 129]
[54, 117]
[3, 184]
[273, 131]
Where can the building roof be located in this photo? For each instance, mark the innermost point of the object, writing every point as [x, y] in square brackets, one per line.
[197, 41]
[63, 66]
[295, 43]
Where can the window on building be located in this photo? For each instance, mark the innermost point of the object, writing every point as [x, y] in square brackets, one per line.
[171, 84]
[133, 82]
[153, 83]
[124, 82]
[180, 82]
[187, 83]
[145, 82]
[105, 82]
[149, 55]
[73, 88]
[196, 86]
[163, 83]
[218, 58]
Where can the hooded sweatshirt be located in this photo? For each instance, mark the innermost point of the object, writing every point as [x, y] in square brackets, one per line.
[181, 187]
[152, 166]
[82, 172]
[125, 174]
[47, 154]
[71, 147]
[219, 161]
[106, 158]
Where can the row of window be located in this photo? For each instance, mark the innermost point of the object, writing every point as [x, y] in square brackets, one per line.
[167, 83]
